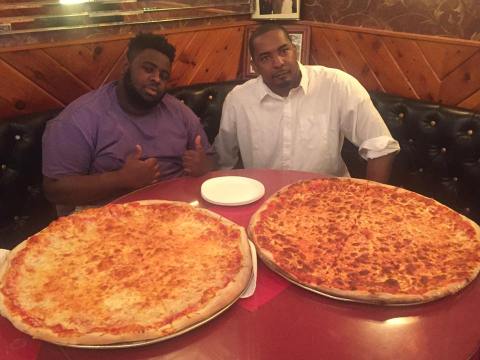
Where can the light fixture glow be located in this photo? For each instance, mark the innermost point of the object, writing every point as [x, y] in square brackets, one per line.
[401, 320]
[70, 2]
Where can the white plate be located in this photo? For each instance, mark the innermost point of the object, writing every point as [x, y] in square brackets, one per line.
[232, 190]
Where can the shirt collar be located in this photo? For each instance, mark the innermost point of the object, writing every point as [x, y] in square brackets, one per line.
[305, 80]
[263, 90]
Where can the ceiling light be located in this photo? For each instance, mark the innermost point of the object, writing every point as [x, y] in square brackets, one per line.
[70, 2]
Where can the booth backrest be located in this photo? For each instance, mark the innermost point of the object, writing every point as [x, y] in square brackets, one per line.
[440, 151]
[23, 208]
[440, 155]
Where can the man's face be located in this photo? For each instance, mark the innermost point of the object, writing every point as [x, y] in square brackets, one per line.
[147, 77]
[275, 58]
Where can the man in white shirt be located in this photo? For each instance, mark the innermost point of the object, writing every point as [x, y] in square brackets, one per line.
[296, 117]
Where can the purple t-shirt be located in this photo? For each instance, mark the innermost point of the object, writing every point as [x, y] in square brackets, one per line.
[94, 135]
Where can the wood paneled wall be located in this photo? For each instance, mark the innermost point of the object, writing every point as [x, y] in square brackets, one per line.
[42, 78]
[432, 68]
[416, 66]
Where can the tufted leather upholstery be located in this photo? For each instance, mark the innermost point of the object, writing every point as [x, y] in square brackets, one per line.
[440, 155]
[23, 208]
[206, 100]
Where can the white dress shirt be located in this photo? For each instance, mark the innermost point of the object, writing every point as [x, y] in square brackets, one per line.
[305, 130]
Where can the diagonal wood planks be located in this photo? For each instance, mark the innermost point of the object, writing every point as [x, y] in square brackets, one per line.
[429, 68]
[89, 62]
[462, 82]
[434, 70]
[51, 77]
[42, 70]
[350, 56]
[20, 95]
[415, 67]
[201, 56]
[444, 58]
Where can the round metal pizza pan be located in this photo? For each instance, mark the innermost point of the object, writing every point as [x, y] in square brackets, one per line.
[132, 344]
[162, 338]
[278, 271]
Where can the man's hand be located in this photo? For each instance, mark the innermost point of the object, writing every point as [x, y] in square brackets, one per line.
[196, 162]
[137, 173]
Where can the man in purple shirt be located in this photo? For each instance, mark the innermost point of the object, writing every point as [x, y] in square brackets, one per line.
[124, 135]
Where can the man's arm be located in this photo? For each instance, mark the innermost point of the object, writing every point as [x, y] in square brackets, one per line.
[226, 142]
[363, 125]
[90, 189]
[80, 190]
[379, 169]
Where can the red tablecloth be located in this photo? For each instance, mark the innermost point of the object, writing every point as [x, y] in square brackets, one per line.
[283, 321]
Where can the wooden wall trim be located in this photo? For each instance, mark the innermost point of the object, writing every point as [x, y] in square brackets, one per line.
[394, 34]
[126, 36]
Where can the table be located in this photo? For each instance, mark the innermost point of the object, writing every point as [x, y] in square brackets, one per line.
[284, 321]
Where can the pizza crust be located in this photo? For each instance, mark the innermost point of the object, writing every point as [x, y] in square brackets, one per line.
[385, 298]
[221, 298]
[380, 298]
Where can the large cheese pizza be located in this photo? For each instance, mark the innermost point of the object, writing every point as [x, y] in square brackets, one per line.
[124, 272]
[366, 241]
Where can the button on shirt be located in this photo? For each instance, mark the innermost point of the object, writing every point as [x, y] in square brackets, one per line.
[305, 130]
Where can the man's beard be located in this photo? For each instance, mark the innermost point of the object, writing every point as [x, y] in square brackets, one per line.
[135, 98]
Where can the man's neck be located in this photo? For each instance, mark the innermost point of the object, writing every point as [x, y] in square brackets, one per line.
[126, 104]
[283, 92]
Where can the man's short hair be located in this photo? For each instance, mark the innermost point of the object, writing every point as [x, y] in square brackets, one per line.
[262, 29]
[150, 41]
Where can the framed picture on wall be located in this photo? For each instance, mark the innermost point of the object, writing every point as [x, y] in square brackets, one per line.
[300, 36]
[276, 9]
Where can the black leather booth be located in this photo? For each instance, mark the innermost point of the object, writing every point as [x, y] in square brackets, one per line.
[440, 155]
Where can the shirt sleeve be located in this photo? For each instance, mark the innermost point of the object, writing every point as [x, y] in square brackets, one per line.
[226, 142]
[65, 149]
[363, 125]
